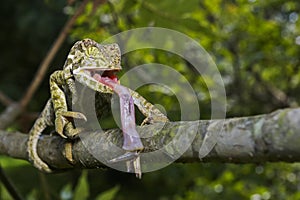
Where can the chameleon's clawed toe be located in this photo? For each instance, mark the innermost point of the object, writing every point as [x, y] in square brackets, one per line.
[74, 115]
[60, 123]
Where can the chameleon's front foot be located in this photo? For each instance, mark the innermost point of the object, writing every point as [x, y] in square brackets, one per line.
[64, 127]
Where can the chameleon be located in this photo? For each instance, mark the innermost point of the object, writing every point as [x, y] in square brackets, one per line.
[94, 66]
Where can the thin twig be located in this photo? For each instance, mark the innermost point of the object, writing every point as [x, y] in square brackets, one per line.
[5, 120]
[11, 189]
[9, 114]
[44, 186]
[50, 55]
[5, 100]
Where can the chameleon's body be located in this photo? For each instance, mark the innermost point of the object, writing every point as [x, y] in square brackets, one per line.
[86, 63]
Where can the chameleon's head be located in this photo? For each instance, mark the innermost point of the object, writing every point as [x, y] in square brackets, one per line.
[88, 59]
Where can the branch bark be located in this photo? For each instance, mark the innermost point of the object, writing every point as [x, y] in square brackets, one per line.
[271, 137]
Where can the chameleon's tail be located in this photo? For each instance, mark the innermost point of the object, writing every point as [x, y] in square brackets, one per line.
[44, 120]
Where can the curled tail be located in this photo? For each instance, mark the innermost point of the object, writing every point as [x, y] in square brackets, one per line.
[44, 120]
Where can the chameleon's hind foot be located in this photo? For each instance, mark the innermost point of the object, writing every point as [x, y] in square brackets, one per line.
[65, 128]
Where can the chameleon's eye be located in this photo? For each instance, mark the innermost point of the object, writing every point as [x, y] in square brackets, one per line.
[93, 52]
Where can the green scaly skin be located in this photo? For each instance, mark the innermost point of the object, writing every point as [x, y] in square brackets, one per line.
[85, 58]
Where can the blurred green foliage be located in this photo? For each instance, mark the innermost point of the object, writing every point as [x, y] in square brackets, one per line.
[255, 44]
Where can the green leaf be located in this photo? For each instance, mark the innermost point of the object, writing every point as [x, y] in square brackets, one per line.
[108, 194]
[82, 188]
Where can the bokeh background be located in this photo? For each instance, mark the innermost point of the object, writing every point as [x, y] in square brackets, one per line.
[255, 44]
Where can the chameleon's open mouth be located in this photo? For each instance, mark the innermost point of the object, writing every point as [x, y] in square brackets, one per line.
[95, 75]
[111, 74]
[103, 76]
[100, 74]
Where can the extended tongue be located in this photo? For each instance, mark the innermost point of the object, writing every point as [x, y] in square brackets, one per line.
[132, 141]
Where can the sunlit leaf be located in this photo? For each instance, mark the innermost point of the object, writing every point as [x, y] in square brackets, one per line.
[81, 191]
[108, 194]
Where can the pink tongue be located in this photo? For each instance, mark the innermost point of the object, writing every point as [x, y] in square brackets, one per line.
[110, 82]
[132, 140]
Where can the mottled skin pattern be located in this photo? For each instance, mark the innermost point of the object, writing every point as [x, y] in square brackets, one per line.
[86, 58]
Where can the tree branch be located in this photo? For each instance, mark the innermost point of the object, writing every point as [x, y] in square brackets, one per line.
[272, 137]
